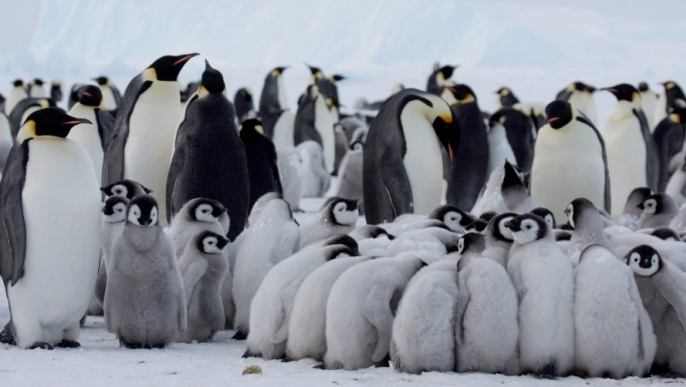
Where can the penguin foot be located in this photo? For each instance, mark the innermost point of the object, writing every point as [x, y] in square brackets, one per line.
[547, 372]
[82, 322]
[286, 359]
[320, 366]
[240, 336]
[384, 363]
[68, 344]
[228, 324]
[6, 336]
[41, 345]
[126, 344]
[248, 354]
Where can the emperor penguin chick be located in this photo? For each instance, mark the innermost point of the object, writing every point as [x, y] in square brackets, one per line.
[658, 211]
[145, 305]
[588, 228]
[203, 266]
[111, 227]
[337, 216]
[197, 215]
[631, 216]
[125, 188]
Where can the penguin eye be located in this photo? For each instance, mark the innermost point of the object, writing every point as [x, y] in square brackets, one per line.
[636, 259]
[528, 227]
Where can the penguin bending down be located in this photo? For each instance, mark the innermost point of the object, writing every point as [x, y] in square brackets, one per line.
[49, 263]
[337, 216]
[402, 166]
[145, 127]
[440, 78]
[145, 305]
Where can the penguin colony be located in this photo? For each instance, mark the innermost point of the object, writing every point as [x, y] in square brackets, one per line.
[516, 267]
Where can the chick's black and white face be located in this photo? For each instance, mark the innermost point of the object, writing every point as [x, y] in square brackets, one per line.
[120, 190]
[343, 214]
[570, 214]
[644, 263]
[649, 206]
[143, 216]
[204, 213]
[114, 213]
[453, 220]
[210, 245]
[504, 229]
[528, 228]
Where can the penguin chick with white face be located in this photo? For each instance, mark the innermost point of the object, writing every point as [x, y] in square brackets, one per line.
[657, 211]
[546, 302]
[661, 285]
[197, 215]
[145, 305]
[270, 310]
[111, 227]
[631, 215]
[588, 228]
[350, 174]
[613, 332]
[469, 247]
[125, 188]
[337, 216]
[203, 266]
[547, 215]
[498, 233]
[453, 217]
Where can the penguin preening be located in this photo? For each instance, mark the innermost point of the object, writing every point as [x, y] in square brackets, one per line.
[402, 166]
[145, 127]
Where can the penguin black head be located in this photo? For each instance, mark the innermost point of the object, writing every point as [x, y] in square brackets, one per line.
[580, 86]
[644, 260]
[666, 234]
[447, 71]
[90, 95]
[477, 226]
[527, 228]
[471, 241]
[512, 186]
[316, 72]
[499, 227]
[488, 215]
[52, 122]
[142, 211]
[562, 235]
[577, 208]
[126, 188]
[643, 86]
[453, 217]
[463, 93]
[337, 77]
[114, 209]
[547, 215]
[623, 92]
[559, 113]
[342, 240]
[37, 82]
[356, 146]
[18, 83]
[340, 211]
[253, 125]
[102, 80]
[657, 204]
[278, 70]
[212, 79]
[168, 67]
[503, 91]
[209, 242]
[206, 210]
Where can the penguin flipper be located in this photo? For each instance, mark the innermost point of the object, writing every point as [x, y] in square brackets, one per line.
[652, 162]
[175, 169]
[463, 298]
[191, 275]
[563, 94]
[13, 226]
[287, 299]
[105, 127]
[669, 139]
[377, 310]
[608, 198]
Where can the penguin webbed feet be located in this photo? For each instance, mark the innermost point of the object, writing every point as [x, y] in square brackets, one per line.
[239, 336]
[547, 372]
[6, 336]
[320, 366]
[68, 344]
[248, 354]
[41, 345]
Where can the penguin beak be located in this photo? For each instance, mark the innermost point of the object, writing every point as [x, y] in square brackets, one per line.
[512, 226]
[552, 119]
[610, 89]
[448, 132]
[185, 58]
[77, 121]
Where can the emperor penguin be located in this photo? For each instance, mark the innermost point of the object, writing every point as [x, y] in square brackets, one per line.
[360, 311]
[506, 98]
[546, 302]
[197, 215]
[111, 96]
[350, 175]
[402, 165]
[453, 217]
[21, 112]
[470, 163]
[547, 215]
[498, 233]
[658, 211]
[306, 330]
[661, 286]
[7, 140]
[56, 90]
[569, 142]
[667, 99]
[49, 263]
[586, 220]
[630, 146]
[514, 191]
[631, 215]
[271, 308]
[36, 89]
[669, 137]
[203, 266]
[313, 121]
[273, 100]
[613, 334]
[499, 148]
[111, 227]
[145, 304]
[580, 95]
[521, 135]
[16, 94]
[337, 216]
[274, 237]
[648, 103]
[290, 168]
[93, 139]
[126, 188]
[142, 143]
[469, 247]
[261, 159]
[440, 78]
[243, 103]
[209, 158]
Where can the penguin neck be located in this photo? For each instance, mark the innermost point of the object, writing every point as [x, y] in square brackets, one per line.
[623, 110]
[141, 238]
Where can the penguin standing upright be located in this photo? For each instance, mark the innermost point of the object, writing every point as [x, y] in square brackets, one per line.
[36, 89]
[570, 143]
[439, 79]
[56, 90]
[243, 103]
[506, 98]
[93, 139]
[521, 135]
[145, 127]
[402, 166]
[631, 150]
[580, 95]
[470, 164]
[209, 160]
[111, 97]
[260, 154]
[49, 262]
[273, 103]
[313, 121]
[648, 103]
[667, 100]
[15, 95]
[669, 137]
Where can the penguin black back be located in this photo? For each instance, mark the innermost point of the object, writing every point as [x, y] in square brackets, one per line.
[261, 159]
[520, 134]
[669, 136]
[243, 102]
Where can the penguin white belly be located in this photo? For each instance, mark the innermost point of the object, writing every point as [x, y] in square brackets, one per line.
[323, 121]
[281, 94]
[108, 101]
[88, 137]
[283, 130]
[13, 98]
[5, 131]
[62, 243]
[649, 103]
[499, 149]
[152, 131]
[422, 162]
[626, 159]
[567, 167]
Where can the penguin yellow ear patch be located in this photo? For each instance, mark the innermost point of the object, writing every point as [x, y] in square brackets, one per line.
[634, 96]
[675, 118]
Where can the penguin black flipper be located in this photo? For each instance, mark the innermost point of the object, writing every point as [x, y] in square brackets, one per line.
[13, 226]
[105, 122]
[563, 94]
[669, 138]
[175, 167]
[117, 95]
[113, 163]
[652, 162]
[608, 202]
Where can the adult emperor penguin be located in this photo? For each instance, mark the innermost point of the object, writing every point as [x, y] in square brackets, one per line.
[21, 112]
[440, 78]
[402, 166]
[546, 302]
[569, 142]
[521, 134]
[506, 98]
[669, 136]
[470, 163]
[313, 121]
[111, 97]
[667, 99]
[93, 139]
[144, 130]
[273, 100]
[243, 103]
[648, 103]
[209, 159]
[261, 159]
[56, 90]
[49, 264]
[15, 95]
[580, 95]
[613, 332]
[631, 151]
[36, 89]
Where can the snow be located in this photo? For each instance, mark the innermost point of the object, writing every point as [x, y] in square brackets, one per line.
[536, 47]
